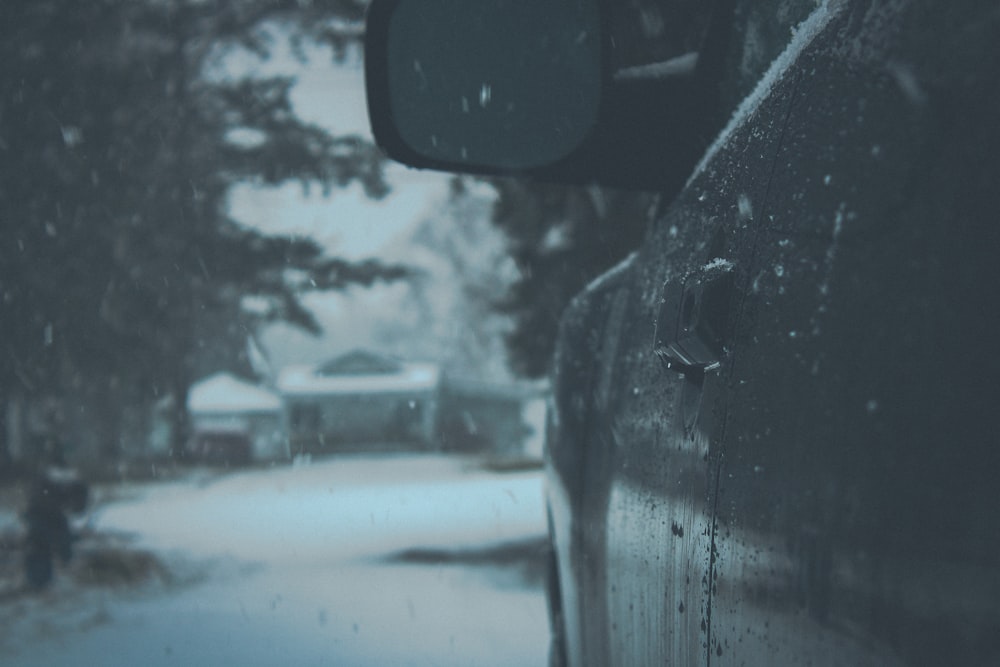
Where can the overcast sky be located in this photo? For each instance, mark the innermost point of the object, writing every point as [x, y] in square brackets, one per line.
[347, 222]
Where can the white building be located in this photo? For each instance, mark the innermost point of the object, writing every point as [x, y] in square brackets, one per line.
[361, 399]
[223, 403]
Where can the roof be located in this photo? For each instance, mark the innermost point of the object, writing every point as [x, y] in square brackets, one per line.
[511, 391]
[223, 392]
[359, 372]
[360, 362]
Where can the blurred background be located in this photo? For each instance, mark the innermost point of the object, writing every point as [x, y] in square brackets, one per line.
[300, 382]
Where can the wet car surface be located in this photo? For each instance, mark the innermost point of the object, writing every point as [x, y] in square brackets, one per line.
[815, 487]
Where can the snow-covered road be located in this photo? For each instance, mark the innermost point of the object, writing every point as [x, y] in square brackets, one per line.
[320, 565]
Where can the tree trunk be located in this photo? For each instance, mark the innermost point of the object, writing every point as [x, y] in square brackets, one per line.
[104, 417]
[180, 421]
[6, 461]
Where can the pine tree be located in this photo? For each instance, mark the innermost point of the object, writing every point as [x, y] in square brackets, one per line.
[119, 144]
[561, 238]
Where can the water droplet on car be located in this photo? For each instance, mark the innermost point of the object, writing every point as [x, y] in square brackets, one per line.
[745, 207]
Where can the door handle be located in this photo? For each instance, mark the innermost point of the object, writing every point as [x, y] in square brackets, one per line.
[693, 322]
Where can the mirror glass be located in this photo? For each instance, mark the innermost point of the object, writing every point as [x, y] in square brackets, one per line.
[507, 83]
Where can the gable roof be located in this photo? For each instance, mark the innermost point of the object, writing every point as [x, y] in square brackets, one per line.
[359, 372]
[360, 362]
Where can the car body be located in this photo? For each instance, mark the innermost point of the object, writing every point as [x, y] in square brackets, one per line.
[824, 496]
[772, 439]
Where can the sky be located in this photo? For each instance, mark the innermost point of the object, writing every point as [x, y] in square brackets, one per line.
[346, 223]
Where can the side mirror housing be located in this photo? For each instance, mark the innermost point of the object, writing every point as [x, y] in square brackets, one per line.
[526, 87]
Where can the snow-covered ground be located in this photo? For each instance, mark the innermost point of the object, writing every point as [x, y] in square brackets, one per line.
[354, 561]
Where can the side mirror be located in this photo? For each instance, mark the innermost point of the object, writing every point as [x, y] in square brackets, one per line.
[512, 84]
[527, 87]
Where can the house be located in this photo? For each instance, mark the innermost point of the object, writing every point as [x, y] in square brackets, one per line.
[361, 399]
[227, 411]
[500, 418]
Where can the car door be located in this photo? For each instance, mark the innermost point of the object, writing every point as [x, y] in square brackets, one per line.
[772, 440]
[814, 488]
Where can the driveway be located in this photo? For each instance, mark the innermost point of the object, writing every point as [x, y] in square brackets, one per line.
[390, 560]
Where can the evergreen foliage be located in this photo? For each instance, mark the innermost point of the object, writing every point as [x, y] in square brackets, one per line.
[119, 144]
[561, 238]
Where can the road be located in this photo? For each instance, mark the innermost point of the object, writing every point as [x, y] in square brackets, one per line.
[353, 561]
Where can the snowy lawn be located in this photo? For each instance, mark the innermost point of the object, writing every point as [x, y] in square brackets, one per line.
[390, 560]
